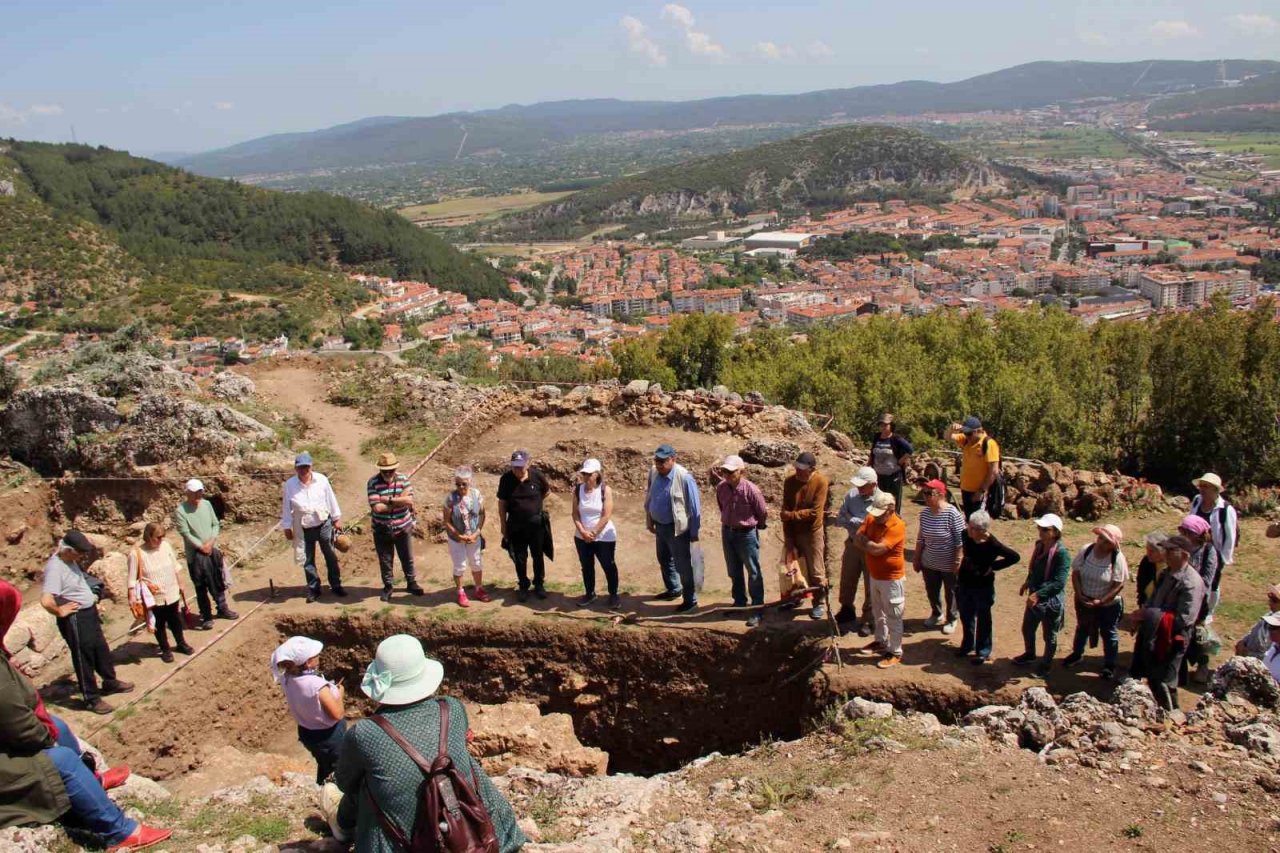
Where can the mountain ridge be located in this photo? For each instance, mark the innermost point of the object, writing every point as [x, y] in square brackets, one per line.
[515, 129]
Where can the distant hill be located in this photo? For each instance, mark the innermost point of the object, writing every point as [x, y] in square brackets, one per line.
[1253, 105]
[101, 233]
[828, 167]
[515, 130]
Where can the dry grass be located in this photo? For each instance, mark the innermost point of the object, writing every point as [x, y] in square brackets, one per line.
[462, 211]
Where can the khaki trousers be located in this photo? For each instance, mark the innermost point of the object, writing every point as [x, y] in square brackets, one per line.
[853, 569]
[810, 547]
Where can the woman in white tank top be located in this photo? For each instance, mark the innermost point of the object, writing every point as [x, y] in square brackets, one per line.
[594, 534]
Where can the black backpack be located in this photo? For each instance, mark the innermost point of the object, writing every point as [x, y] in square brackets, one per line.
[995, 495]
[451, 817]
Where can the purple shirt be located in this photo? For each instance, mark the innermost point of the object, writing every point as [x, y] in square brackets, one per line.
[302, 692]
[741, 506]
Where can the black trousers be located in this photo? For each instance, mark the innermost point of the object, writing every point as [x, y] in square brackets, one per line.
[892, 483]
[207, 598]
[588, 553]
[90, 655]
[525, 538]
[388, 545]
[168, 619]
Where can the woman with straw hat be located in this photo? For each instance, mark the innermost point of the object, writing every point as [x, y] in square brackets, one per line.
[376, 775]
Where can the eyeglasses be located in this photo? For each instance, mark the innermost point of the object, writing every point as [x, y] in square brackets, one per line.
[461, 483]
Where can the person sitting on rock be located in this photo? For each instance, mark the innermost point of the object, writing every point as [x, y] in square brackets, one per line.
[1098, 576]
[153, 572]
[1045, 588]
[1167, 622]
[1272, 656]
[1257, 642]
[379, 781]
[314, 701]
[43, 776]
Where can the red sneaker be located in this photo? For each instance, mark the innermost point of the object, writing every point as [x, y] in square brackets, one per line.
[480, 595]
[143, 836]
[113, 777]
[463, 601]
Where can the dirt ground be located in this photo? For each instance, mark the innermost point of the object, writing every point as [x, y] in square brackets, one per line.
[223, 699]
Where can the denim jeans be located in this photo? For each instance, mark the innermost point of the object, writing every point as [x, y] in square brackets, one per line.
[676, 562]
[322, 536]
[92, 810]
[1107, 621]
[742, 551]
[1048, 623]
[324, 745]
[975, 617]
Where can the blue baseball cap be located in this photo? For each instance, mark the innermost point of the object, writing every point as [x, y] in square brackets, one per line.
[520, 459]
[303, 458]
[664, 451]
[971, 424]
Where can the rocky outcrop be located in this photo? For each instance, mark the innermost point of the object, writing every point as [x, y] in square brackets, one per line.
[517, 734]
[47, 427]
[232, 387]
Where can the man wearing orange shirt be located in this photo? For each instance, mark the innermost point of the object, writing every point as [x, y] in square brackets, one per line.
[882, 538]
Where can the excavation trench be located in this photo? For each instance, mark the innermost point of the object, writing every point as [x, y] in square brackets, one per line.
[653, 698]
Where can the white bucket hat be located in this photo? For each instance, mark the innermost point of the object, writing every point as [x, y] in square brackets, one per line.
[401, 672]
[1209, 479]
[295, 650]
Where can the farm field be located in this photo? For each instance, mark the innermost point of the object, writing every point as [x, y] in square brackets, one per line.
[464, 211]
[1266, 144]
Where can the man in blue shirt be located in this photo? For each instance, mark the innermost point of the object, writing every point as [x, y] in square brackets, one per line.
[673, 513]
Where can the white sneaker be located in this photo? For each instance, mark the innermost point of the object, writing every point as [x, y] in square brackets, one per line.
[933, 621]
[330, 799]
[949, 628]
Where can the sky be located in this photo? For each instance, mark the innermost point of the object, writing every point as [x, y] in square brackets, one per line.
[177, 76]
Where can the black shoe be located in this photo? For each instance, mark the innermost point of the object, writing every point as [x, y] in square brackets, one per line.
[414, 589]
[587, 600]
[864, 630]
[1042, 671]
[979, 660]
[228, 614]
[313, 595]
[669, 595]
[539, 592]
[166, 656]
[185, 649]
[1024, 659]
[206, 625]
[686, 607]
[98, 706]
[115, 685]
[962, 653]
[615, 601]
[522, 595]
[1072, 659]
[339, 591]
[386, 594]
[1108, 673]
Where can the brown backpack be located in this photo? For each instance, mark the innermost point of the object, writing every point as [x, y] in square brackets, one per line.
[451, 817]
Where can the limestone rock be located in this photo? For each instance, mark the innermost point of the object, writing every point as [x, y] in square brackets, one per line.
[31, 839]
[551, 392]
[858, 708]
[140, 789]
[518, 734]
[232, 387]
[636, 388]
[837, 440]
[1247, 677]
[1258, 738]
[35, 629]
[771, 454]
[46, 426]
[1134, 701]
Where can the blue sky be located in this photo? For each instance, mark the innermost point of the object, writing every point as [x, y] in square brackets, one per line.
[188, 76]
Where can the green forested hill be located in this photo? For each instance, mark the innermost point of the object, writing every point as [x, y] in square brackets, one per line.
[829, 167]
[174, 239]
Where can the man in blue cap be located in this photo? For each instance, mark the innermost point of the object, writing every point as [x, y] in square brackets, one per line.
[979, 465]
[309, 517]
[673, 513]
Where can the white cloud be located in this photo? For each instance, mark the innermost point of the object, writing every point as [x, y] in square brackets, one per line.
[1094, 39]
[46, 109]
[223, 105]
[1254, 25]
[638, 41]
[819, 50]
[8, 115]
[771, 52]
[1171, 30]
[698, 42]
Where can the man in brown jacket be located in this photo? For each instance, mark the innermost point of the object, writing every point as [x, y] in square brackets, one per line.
[804, 510]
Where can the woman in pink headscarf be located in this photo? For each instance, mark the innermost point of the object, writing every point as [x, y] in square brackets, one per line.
[43, 778]
[1207, 561]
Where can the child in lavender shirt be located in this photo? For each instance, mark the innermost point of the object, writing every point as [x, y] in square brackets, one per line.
[314, 701]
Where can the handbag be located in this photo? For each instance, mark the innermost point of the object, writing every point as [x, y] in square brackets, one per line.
[791, 577]
[190, 621]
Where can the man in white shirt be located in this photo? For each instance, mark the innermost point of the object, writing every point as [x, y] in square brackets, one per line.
[310, 515]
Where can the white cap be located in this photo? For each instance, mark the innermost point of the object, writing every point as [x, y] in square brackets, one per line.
[733, 462]
[295, 650]
[194, 485]
[591, 466]
[881, 504]
[1049, 519]
[865, 474]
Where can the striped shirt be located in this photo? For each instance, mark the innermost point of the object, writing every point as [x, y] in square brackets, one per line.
[396, 518]
[1097, 573]
[939, 539]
